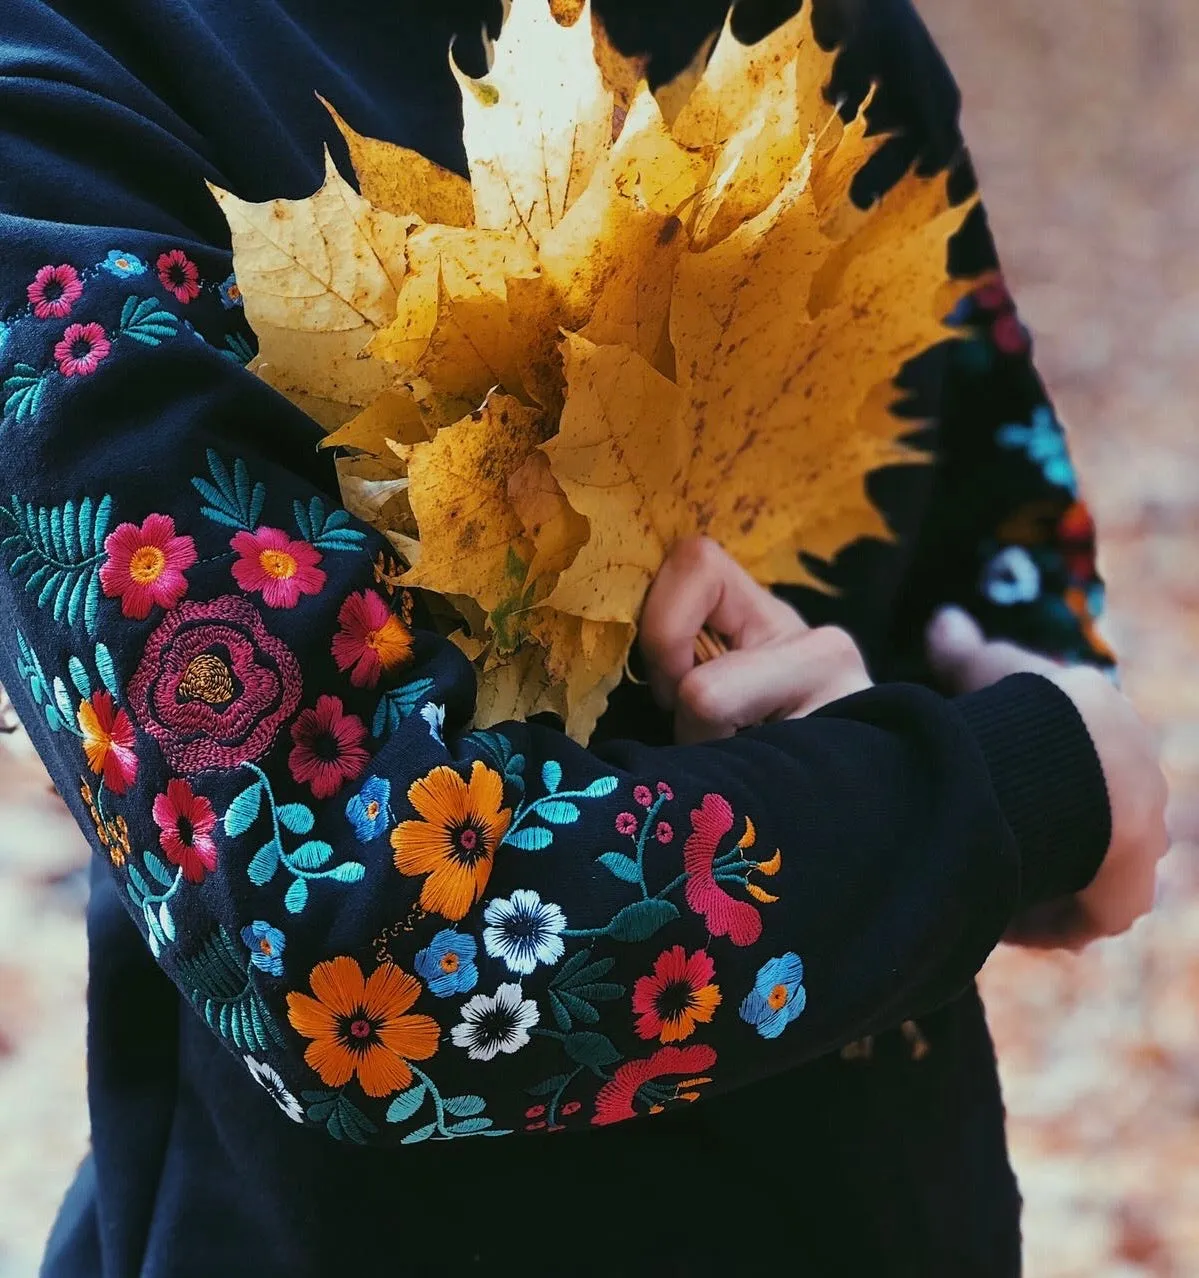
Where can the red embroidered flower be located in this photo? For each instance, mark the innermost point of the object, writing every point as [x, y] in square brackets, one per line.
[1009, 335]
[665, 832]
[634, 1081]
[665, 791]
[81, 350]
[724, 914]
[372, 639]
[328, 748]
[643, 795]
[677, 997]
[994, 295]
[626, 823]
[1076, 539]
[145, 566]
[54, 291]
[108, 742]
[185, 821]
[179, 275]
[278, 568]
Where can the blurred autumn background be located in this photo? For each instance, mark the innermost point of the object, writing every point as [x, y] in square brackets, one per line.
[1083, 116]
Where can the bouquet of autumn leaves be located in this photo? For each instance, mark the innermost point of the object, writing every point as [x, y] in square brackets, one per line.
[645, 316]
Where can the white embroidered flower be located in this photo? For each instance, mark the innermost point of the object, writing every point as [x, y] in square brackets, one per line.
[499, 1023]
[434, 716]
[269, 1080]
[1012, 578]
[524, 930]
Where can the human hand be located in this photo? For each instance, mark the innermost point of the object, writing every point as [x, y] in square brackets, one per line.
[1124, 888]
[776, 666]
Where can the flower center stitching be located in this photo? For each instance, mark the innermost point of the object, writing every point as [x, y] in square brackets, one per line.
[53, 289]
[675, 1000]
[147, 562]
[326, 748]
[372, 810]
[278, 564]
[187, 831]
[207, 679]
[777, 997]
[361, 1029]
[449, 964]
[265, 946]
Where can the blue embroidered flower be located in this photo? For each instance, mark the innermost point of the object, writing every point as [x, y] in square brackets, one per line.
[368, 810]
[123, 265]
[1044, 443]
[524, 930]
[231, 297]
[447, 963]
[1012, 577]
[266, 945]
[777, 997]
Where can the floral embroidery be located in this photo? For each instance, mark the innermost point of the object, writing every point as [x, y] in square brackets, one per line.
[468, 1110]
[213, 687]
[152, 893]
[635, 1083]
[706, 895]
[368, 811]
[328, 748]
[220, 981]
[108, 742]
[524, 931]
[54, 292]
[1012, 577]
[186, 821]
[1043, 442]
[113, 834]
[461, 824]
[495, 1023]
[123, 265]
[231, 297]
[179, 275]
[679, 996]
[447, 964]
[777, 997]
[372, 640]
[434, 716]
[145, 566]
[269, 1079]
[277, 567]
[81, 350]
[360, 1027]
[266, 945]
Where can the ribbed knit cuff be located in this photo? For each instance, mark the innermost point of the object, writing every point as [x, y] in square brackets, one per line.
[1048, 780]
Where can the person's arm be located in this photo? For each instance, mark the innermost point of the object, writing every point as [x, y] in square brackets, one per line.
[414, 930]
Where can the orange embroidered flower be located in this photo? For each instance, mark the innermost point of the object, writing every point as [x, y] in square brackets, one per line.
[678, 996]
[454, 842]
[108, 742]
[359, 1027]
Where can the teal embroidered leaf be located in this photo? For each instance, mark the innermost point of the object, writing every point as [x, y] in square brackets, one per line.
[571, 966]
[239, 349]
[349, 1123]
[166, 921]
[558, 812]
[218, 979]
[421, 1134]
[24, 392]
[327, 531]
[297, 896]
[231, 499]
[551, 775]
[137, 885]
[107, 671]
[624, 867]
[296, 818]
[312, 855]
[579, 1008]
[549, 1086]
[639, 921]
[533, 838]
[561, 1015]
[347, 872]
[591, 1050]
[406, 1104]
[470, 1127]
[145, 321]
[265, 862]
[598, 993]
[465, 1106]
[153, 936]
[600, 789]
[243, 811]
[62, 699]
[157, 869]
[398, 704]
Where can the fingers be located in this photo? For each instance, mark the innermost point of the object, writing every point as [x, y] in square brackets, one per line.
[964, 660]
[700, 585]
[784, 680]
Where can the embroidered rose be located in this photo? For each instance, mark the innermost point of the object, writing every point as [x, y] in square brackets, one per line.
[54, 291]
[145, 566]
[280, 569]
[179, 275]
[81, 350]
[213, 687]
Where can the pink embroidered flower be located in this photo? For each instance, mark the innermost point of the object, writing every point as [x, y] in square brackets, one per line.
[328, 748]
[636, 1082]
[994, 295]
[54, 291]
[1009, 335]
[213, 688]
[186, 821]
[372, 639]
[145, 566]
[665, 832]
[278, 568]
[643, 795]
[179, 275]
[665, 791]
[626, 823]
[724, 914]
[82, 349]
[108, 742]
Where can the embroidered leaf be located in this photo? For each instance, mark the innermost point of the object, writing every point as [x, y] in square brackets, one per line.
[558, 812]
[231, 499]
[600, 788]
[549, 1086]
[398, 704]
[296, 818]
[312, 855]
[639, 921]
[570, 967]
[579, 977]
[464, 1106]
[347, 872]
[166, 921]
[624, 867]
[533, 838]
[578, 1007]
[561, 1015]
[591, 1050]
[222, 989]
[297, 896]
[53, 719]
[24, 392]
[347, 1122]
[421, 1134]
[157, 869]
[145, 321]
[328, 532]
[138, 887]
[470, 1127]
[79, 677]
[264, 864]
[551, 775]
[152, 936]
[406, 1104]
[243, 811]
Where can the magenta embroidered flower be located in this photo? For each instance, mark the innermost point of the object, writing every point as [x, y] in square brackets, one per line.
[276, 567]
[643, 795]
[724, 914]
[185, 823]
[145, 566]
[213, 688]
[665, 791]
[81, 350]
[328, 748]
[54, 291]
[372, 640]
[1009, 335]
[179, 275]
[626, 823]
[665, 832]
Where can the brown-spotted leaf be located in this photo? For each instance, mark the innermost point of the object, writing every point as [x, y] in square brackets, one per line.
[553, 527]
[393, 417]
